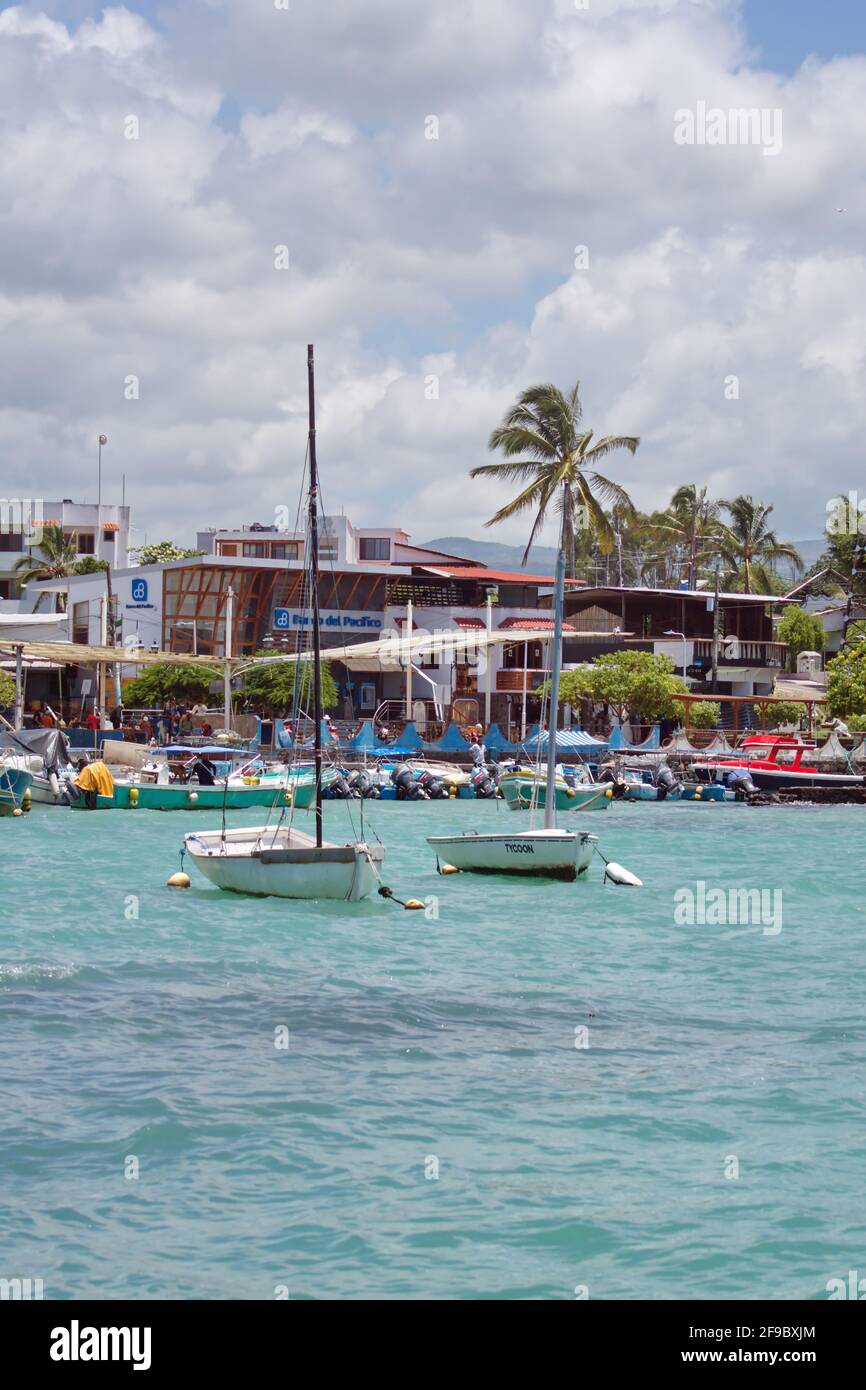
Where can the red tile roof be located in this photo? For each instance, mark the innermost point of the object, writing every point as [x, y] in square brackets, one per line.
[469, 622]
[532, 624]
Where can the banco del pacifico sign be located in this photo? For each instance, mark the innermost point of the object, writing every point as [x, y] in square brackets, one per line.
[297, 619]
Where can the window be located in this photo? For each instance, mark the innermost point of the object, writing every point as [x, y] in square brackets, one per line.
[108, 538]
[11, 540]
[288, 550]
[254, 550]
[85, 542]
[375, 548]
[226, 548]
[81, 623]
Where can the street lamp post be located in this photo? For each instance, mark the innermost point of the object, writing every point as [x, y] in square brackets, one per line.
[670, 633]
[103, 439]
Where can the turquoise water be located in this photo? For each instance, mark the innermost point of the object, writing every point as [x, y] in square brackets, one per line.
[412, 1039]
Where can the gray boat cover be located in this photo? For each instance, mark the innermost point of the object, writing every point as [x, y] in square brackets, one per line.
[51, 745]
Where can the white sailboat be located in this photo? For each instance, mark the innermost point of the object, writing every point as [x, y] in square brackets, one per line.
[545, 853]
[280, 861]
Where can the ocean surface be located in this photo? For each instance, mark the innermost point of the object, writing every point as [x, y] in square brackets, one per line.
[527, 1091]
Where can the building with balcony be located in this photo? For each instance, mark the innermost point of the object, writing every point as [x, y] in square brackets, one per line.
[101, 532]
[679, 623]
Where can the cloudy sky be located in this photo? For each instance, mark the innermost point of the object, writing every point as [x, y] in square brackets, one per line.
[308, 127]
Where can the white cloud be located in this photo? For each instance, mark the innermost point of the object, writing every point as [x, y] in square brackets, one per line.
[410, 256]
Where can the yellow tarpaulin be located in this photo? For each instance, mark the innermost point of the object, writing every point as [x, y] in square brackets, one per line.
[96, 778]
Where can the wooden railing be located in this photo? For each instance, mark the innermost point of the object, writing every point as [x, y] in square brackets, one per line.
[741, 651]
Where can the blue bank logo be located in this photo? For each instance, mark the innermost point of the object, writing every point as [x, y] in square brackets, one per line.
[139, 591]
[282, 618]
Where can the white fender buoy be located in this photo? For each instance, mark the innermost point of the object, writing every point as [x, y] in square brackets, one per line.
[193, 797]
[54, 784]
[622, 877]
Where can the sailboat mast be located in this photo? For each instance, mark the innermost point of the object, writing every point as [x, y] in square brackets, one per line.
[555, 674]
[314, 595]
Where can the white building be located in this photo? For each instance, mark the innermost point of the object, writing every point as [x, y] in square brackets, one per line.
[101, 532]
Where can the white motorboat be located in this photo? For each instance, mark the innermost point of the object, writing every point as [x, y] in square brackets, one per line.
[284, 862]
[279, 860]
[562, 854]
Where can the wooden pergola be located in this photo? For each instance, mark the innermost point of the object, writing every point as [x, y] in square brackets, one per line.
[759, 701]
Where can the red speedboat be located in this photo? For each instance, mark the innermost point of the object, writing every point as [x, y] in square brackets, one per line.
[775, 763]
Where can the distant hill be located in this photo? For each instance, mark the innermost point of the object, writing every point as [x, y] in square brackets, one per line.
[542, 558]
[497, 556]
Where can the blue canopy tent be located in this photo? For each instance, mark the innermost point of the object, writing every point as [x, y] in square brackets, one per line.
[617, 743]
[496, 742]
[452, 741]
[365, 740]
[284, 740]
[567, 741]
[410, 740]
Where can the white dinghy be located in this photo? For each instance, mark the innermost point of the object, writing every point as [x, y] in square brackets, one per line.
[562, 854]
[285, 863]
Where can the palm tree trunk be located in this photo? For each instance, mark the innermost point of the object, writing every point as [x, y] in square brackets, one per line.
[568, 521]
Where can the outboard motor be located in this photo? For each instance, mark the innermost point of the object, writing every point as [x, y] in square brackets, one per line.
[666, 782]
[740, 782]
[433, 786]
[407, 787]
[482, 784]
[340, 790]
[609, 776]
[362, 785]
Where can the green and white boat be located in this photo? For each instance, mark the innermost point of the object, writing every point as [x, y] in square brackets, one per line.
[526, 788]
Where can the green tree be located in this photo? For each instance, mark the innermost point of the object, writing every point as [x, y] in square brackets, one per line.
[845, 553]
[846, 681]
[277, 686]
[56, 560]
[89, 565]
[782, 712]
[545, 447]
[156, 684]
[7, 690]
[636, 685]
[802, 631]
[747, 546]
[161, 552]
[704, 714]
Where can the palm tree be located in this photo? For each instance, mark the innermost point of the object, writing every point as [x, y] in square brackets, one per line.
[685, 534]
[56, 561]
[747, 545]
[546, 449]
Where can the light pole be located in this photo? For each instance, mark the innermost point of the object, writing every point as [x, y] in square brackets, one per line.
[103, 439]
[682, 635]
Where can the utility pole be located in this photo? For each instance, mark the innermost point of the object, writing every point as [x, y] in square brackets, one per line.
[409, 626]
[716, 633]
[227, 669]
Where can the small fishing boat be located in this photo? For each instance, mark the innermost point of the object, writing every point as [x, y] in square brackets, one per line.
[776, 763]
[15, 784]
[526, 787]
[44, 753]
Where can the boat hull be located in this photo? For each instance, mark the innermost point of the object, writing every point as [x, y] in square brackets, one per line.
[522, 791]
[260, 862]
[560, 854]
[14, 782]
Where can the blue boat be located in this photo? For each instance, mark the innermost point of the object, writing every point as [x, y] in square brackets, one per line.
[15, 782]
